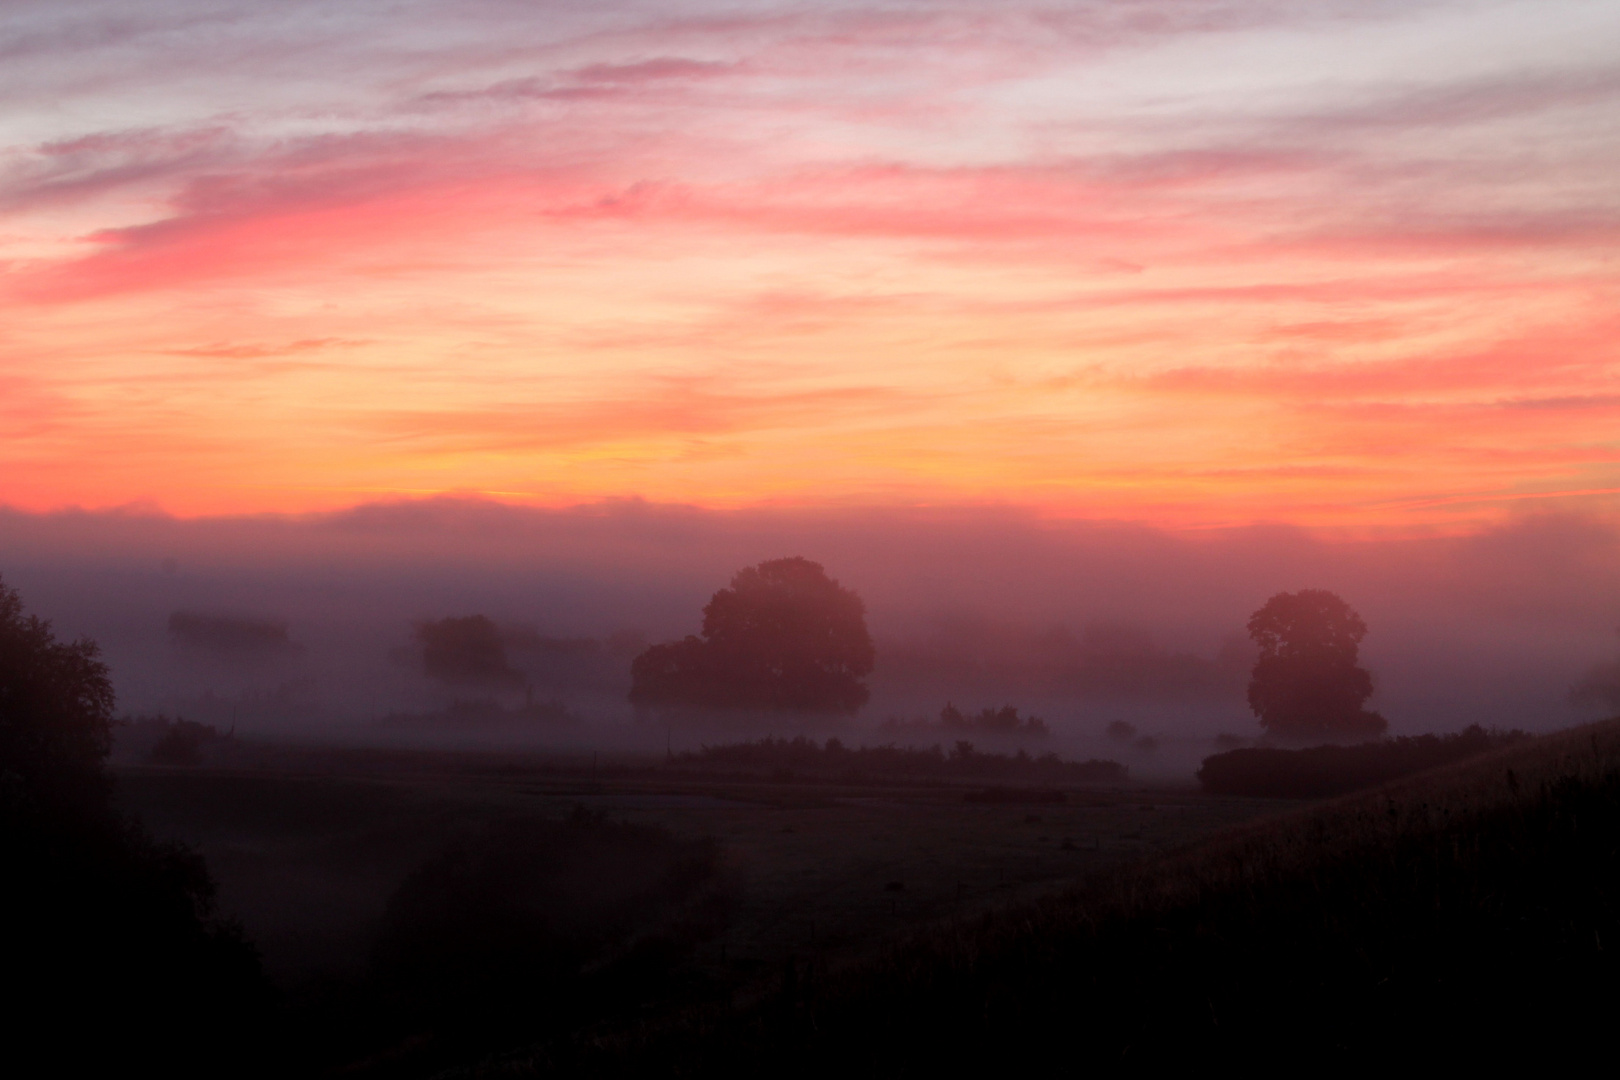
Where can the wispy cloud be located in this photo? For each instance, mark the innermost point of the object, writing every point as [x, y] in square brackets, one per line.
[1194, 261]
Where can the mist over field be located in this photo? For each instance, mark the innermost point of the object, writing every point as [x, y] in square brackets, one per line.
[304, 625]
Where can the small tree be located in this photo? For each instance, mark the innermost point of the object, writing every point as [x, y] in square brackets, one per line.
[1307, 683]
[465, 651]
[784, 636]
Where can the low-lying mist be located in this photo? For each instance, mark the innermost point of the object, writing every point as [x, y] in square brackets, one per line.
[311, 626]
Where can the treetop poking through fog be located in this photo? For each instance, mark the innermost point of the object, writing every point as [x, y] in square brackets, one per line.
[783, 637]
[1327, 264]
[1306, 682]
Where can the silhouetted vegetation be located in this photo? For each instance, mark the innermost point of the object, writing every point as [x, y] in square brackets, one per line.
[527, 925]
[787, 758]
[161, 740]
[485, 714]
[231, 634]
[1334, 770]
[465, 651]
[783, 637]
[1004, 721]
[1306, 683]
[1002, 796]
[1599, 687]
[109, 937]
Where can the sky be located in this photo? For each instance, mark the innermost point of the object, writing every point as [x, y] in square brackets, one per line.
[1335, 264]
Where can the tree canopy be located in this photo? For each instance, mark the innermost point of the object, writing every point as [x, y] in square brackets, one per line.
[102, 927]
[465, 651]
[784, 636]
[56, 703]
[1307, 682]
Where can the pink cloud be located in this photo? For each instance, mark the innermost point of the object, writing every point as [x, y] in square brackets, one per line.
[676, 408]
[952, 248]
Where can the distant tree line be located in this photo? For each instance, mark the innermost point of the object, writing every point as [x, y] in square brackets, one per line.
[1004, 721]
[1322, 771]
[786, 638]
[787, 758]
[486, 714]
[165, 740]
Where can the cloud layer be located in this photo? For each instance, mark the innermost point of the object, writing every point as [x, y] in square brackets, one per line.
[1333, 264]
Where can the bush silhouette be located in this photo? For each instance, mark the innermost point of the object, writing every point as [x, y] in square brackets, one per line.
[784, 636]
[1306, 682]
[1333, 770]
[464, 651]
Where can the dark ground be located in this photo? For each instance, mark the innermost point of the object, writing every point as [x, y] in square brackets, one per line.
[308, 846]
[1460, 918]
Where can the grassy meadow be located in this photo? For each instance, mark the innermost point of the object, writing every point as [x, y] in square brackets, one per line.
[1464, 917]
[308, 846]
[816, 926]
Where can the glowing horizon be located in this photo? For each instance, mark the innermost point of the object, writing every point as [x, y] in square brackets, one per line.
[1343, 265]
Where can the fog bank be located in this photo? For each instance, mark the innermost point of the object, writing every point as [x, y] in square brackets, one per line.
[304, 625]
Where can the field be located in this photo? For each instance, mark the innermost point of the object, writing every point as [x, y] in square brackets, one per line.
[1460, 914]
[307, 848]
[1462, 918]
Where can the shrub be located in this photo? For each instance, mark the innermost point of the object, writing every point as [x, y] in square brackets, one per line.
[964, 762]
[1333, 770]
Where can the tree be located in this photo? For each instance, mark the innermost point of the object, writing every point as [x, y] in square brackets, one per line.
[783, 637]
[465, 651]
[1306, 682]
[104, 930]
[56, 704]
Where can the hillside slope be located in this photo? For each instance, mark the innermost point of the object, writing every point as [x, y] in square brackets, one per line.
[1467, 914]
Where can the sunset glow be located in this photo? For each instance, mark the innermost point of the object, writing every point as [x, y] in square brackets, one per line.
[1338, 264]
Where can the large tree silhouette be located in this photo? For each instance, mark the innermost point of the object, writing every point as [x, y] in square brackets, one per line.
[1307, 682]
[105, 932]
[783, 637]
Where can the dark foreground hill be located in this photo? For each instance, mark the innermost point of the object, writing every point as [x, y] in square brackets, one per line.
[1462, 917]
